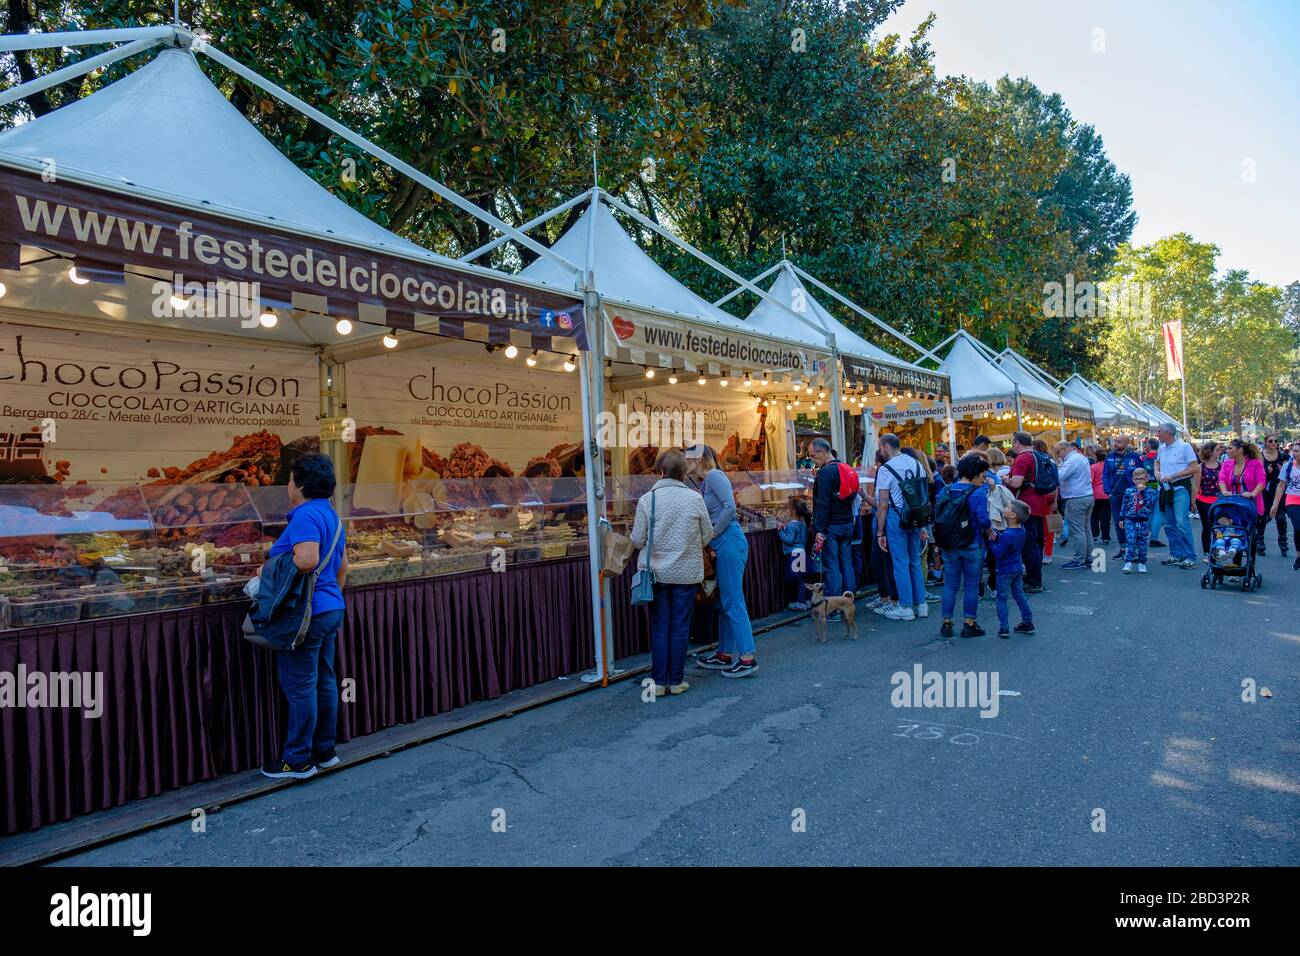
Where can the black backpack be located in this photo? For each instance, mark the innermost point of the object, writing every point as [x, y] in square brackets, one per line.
[916, 500]
[1046, 478]
[952, 521]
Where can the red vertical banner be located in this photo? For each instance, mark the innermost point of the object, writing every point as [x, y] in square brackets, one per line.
[1174, 349]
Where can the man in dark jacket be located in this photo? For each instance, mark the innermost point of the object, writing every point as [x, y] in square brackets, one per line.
[833, 520]
[1116, 478]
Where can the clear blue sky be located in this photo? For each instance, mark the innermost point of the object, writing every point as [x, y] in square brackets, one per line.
[1185, 91]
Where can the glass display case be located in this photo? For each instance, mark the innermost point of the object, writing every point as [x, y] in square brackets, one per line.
[387, 531]
[209, 542]
[73, 551]
[763, 497]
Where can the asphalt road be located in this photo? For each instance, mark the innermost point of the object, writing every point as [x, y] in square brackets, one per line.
[1128, 701]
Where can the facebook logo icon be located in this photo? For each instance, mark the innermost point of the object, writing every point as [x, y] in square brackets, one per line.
[548, 318]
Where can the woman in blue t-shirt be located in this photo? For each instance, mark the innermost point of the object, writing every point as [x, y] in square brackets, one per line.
[307, 672]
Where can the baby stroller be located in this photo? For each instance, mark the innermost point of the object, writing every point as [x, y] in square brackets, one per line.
[1244, 517]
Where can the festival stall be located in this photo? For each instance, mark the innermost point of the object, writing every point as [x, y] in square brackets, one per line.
[183, 313]
[1074, 420]
[876, 390]
[1108, 419]
[1130, 421]
[1159, 417]
[679, 369]
[985, 400]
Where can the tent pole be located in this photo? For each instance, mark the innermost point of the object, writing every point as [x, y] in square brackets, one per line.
[526, 227]
[355, 139]
[43, 41]
[1015, 392]
[952, 430]
[77, 69]
[838, 436]
[867, 315]
[758, 278]
[687, 247]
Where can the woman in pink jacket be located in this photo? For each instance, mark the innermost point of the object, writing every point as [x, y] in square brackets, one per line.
[1243, 473]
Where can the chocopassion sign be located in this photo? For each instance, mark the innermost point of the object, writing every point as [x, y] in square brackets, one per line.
[105, 231]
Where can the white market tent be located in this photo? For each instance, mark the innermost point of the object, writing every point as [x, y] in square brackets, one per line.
[1159, 416]
[1128, 419]
[650, 321]
[164, 144]
[1106, 414]
[980, 388]
[1139, 414]
[875, 380]
[165, 134]
[1075, 416]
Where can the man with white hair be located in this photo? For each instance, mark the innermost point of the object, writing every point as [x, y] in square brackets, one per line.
[1177, 468]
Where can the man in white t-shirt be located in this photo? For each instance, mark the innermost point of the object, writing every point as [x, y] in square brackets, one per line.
[1177, 469]
[903, 545]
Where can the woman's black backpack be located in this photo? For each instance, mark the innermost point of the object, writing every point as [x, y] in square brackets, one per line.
[952, 521]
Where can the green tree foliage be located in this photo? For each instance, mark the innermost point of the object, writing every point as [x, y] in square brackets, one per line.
[934, 201]
[1237, 349]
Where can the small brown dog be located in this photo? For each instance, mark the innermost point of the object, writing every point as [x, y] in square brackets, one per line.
[819, 606]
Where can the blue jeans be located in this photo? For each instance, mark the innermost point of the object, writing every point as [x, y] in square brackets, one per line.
[735, 636]
[307, 679]
[1012, 585]
[837, 560]
[962, 566]
[671, 613]
[1178, 525]
[905, 554]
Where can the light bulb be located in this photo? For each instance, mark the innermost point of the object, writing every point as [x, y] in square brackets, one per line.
[178, 302]
[702, 379]
[72, 274]
[723, 383]
[649, 373]
[268, 319]
[390, 340]
[788, 406]
[3, 290]
[343, 327]
[672, 379]
[532, 359]
[571, 363]
[511, 350]
[748, 381]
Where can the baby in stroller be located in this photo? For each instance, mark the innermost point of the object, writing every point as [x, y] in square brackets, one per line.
[1228, 546]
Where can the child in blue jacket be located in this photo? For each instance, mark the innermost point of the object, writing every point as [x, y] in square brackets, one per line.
[794, 540]
[1010, 569]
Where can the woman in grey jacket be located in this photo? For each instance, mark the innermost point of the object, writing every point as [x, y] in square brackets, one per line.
[735, 653]
[675, 553]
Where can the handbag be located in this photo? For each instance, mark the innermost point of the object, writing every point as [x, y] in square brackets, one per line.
[1056, 522]
[250, 632]
[643, 582]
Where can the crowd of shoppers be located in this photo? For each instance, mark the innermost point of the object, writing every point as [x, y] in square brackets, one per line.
[981, 520]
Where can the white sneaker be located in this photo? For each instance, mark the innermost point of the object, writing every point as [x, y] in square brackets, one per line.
[1128, 567]
[884, 608]
[900, 613]
[922, 610]
[1142, 569]
[1047, 559]
[875, 603]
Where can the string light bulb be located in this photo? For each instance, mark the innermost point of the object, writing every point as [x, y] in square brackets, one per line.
[531, 361]
[268, 318]
[72, 274]
[390, 339]
[701, 381]
[672, 379]
[649, 372]
[512, 350]
[571, 363]
[343, 327]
